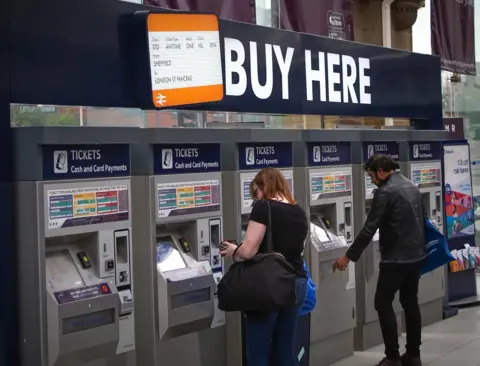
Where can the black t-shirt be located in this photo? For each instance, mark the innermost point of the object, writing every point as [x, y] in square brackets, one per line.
[289, 230]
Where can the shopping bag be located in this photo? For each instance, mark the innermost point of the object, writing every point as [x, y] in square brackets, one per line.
[264, 283]
[438, 253]
[311, 298]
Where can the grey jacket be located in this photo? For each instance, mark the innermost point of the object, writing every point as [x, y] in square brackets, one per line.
[397, 211]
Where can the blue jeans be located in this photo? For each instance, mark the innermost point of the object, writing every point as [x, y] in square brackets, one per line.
[272, 334]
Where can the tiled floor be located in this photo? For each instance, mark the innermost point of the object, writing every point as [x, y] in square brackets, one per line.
[455, 341]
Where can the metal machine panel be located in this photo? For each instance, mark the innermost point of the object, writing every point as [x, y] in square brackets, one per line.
[425, 171]
[330, 196]
[178, 217]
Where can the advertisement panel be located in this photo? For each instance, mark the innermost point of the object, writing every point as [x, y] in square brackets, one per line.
[459, 209]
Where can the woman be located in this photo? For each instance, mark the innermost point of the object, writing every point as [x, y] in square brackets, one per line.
[272, 334]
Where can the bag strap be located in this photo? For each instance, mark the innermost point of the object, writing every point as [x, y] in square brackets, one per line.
[269, 230]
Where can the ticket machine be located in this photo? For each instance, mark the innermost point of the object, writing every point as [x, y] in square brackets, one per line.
[326, 192]
[425, 170]
[241, 162]
[74, 247]
[178, 215]
[367, 331]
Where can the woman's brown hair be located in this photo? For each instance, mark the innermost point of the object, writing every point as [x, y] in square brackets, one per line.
[272, 182]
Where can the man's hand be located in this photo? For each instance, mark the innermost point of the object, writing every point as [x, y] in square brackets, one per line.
[341, 264]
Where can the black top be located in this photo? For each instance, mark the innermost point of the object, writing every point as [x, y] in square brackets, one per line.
[289, 230]
[397, 211]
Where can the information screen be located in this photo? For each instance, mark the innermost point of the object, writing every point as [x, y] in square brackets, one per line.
[168, 257]
[87, 206]
[426, 174]
[247, 179]
[62, 274]
[185, 59]
[184, 198]
[330, 184]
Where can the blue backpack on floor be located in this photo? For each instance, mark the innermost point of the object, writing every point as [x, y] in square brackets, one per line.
[438, 253]
[311, 299]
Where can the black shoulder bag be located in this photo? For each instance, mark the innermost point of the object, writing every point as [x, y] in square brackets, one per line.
[264, 283]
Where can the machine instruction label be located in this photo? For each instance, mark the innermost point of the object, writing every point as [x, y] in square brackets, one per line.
[184, 198]
[426, 175]
[380, 148]
[329, 153]
[425, 151]
[85, 161]
[330, 184]
[262, 155]
[246, 179]
[186, 158]
[82, 293]
[87, 206]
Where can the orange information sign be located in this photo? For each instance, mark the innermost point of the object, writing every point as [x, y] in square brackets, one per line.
[185, 59]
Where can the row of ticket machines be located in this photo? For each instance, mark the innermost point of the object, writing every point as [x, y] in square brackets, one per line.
[118, 234]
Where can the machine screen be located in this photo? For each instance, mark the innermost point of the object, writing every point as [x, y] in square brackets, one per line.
[62, 274]
[320, 233]
[88, 321]
[168, 257]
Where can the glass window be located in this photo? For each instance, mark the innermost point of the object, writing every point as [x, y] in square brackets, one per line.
[263, 12]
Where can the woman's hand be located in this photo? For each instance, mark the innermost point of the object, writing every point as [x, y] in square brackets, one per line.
[227, 248]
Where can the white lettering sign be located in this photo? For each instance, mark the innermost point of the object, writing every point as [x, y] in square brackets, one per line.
[340, 78]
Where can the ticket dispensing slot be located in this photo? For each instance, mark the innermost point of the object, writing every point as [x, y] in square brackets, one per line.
[82, 307]
[185, 283]
[438, 208]
[216, 259]
[427, 209]
[347, 206]
[123, 271]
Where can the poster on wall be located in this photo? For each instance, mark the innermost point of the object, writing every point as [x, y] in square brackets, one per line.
[475, 166]
[459, 209]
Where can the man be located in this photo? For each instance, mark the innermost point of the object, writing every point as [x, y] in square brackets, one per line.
[397, 211]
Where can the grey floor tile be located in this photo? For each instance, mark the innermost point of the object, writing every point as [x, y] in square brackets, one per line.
[455, 341]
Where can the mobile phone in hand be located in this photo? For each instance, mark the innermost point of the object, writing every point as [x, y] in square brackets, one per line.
[224, 246]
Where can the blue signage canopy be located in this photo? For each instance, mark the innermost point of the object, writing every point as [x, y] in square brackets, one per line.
[265, 70]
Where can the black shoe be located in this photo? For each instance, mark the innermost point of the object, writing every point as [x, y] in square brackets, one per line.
[410, 361]
[387, 362]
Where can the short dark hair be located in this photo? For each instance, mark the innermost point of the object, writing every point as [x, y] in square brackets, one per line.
[384, 162]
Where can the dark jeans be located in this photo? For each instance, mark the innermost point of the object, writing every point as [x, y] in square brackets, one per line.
[403, 277]
[272, 335]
